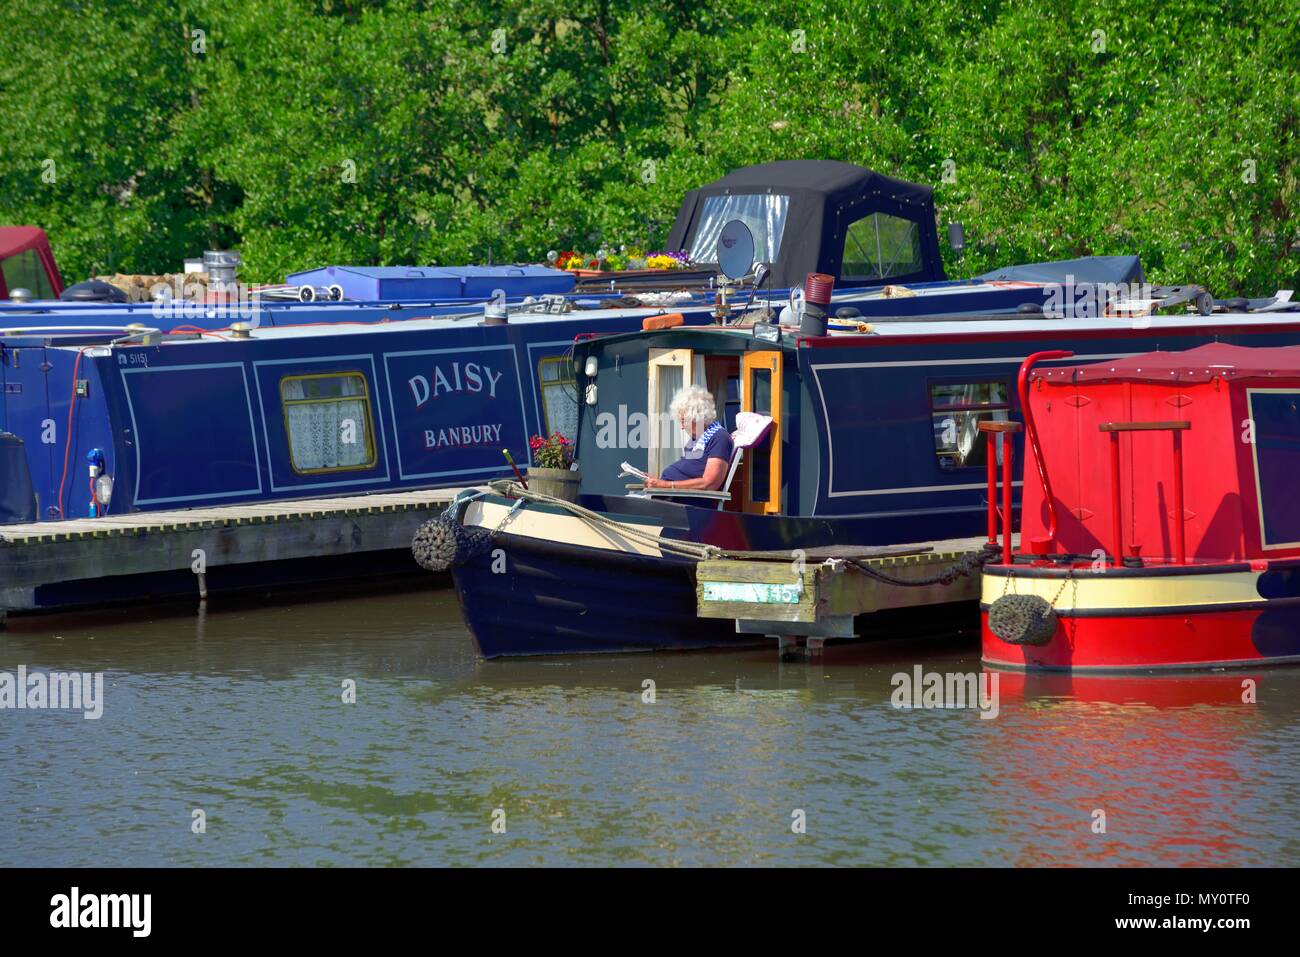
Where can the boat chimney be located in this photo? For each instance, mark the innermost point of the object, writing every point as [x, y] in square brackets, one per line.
[817, 298]
[221, 265]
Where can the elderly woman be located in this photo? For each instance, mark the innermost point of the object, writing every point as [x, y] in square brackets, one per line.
[706, 456]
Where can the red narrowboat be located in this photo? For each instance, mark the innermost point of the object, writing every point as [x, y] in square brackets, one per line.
[1160, 526]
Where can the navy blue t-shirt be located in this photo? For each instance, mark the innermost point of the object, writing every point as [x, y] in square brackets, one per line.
[714, 443]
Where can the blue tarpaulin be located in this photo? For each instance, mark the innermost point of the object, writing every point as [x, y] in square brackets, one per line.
[1089, 269]
[395, 283]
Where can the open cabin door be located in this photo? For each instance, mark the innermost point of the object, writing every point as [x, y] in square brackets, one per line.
[670, 370]
[761, 393]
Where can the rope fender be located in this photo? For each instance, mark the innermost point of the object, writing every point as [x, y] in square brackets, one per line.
[1023, 619]
[443, 542]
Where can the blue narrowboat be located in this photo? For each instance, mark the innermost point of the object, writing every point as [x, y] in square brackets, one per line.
[179, 404]
[875, 235]
[874, 440]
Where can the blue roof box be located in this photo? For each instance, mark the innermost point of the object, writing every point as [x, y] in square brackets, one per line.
[481, 281]
[397, 283]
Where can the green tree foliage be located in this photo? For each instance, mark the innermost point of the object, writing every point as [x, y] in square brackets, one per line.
[308, 132]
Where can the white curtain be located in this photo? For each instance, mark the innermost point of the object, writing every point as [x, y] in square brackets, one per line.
[332, 431]
[668, 436]
[561, 409]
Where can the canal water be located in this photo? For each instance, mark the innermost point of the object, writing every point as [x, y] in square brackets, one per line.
[225, 739]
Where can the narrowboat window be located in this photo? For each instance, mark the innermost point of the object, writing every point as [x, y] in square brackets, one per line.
[880, 246]
[25, 271]
[762, 391]
[1275, 418]
[559, 396]
[327, 419]
[764, 214]
[761, 455]
[956, 410]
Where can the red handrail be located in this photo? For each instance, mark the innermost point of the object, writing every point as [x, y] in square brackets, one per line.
[1031, 435]
[992, 429]
[1176, 428]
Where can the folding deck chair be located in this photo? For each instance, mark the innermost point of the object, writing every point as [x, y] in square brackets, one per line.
[751, 430]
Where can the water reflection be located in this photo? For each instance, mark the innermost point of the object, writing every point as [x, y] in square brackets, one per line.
[238, 710]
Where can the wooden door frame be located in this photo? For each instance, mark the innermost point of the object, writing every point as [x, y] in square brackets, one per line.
[681, 358]
[770, 360]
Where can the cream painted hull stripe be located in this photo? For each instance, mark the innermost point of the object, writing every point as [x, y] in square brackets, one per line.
[530, 522]
[1129, 592]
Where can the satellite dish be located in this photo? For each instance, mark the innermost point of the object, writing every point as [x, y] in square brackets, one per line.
[735, 250]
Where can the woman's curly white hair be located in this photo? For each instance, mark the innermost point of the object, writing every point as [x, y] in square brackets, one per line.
[695, 404]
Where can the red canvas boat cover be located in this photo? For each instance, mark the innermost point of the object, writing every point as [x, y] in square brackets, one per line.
[1216, 359]
[16, 240]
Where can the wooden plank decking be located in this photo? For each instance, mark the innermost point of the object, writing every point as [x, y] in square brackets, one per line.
[223, 515]
[136, 557]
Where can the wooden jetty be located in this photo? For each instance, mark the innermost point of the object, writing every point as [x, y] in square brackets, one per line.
[53, 566]
[815, 596]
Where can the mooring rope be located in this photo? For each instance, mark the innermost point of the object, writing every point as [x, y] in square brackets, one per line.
[438, 545]
[958, 569]
[599, 522]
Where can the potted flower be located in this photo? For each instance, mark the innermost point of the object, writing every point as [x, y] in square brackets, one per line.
[551, 472]
[667, 260]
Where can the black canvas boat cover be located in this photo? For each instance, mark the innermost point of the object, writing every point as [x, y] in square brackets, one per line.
[1089, 269]
[801, 213]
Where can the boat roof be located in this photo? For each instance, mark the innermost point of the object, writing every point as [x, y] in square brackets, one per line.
[959, 328]
[826, 197]
[588, 323]
[838, 181]
[18, 239]
[1215, 360]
